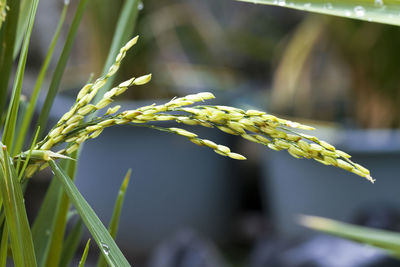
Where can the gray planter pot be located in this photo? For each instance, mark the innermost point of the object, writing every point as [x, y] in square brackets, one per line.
[294, 187]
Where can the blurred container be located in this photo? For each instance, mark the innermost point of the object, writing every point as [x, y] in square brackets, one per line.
[293, 186]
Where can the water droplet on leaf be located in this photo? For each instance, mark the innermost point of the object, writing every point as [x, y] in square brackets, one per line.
[360, 11]
[378, 3]
[105, 248]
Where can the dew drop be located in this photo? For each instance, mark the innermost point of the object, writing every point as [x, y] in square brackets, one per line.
[329, 6]
[348, 13]
[140, 6]
[281, 2]
[105, 248]
[307, 5]
[360, 11]
[378, 3]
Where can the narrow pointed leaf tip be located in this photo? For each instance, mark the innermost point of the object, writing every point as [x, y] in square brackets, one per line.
[387, 240]
[381, 11]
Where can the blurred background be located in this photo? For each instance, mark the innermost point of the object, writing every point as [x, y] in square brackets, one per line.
[189, 207]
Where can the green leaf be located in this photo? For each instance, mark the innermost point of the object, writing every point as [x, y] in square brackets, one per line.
[71, 244]
[38, 85]
[43, 227]
[123, 32]
[387, 240]
[23, 21]
[56, 246]
[85, 253]
[105, 242]
[7, 40]
[4, 245]
[49, 226]
[9, 128]
[113, 227]
[14, 209]
[61, 64]
[382, 11]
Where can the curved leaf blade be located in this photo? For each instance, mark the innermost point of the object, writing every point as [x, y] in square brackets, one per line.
[14, 208]
[381, 11]
[387, 240]
[114, 223]
[106, 243]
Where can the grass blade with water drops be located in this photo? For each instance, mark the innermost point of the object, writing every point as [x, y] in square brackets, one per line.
[113, 227]
[57, 239]
[84, 256]
[38, 85]
[71, 244]
[382, 11]
[44, 224]
[105, 242]
[14, 209]
[387, 240]
[61, 64]
[11, 120]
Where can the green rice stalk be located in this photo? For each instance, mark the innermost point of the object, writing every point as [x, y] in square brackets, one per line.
[253, 125]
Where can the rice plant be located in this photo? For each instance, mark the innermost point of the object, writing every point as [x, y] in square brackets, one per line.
[45, 242]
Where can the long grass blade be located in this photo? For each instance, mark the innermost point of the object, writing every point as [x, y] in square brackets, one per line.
[71, 244]
[4, 245]
[105, 242]
[382, 11]
[387, 240]
[23, 21]
[43, 227]
[113, 227]
[57, 240]
[8, 135]
[14, 209]
[39, 82]
[61, 64]
[84, 256]
[123, 31]
[7, 40]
